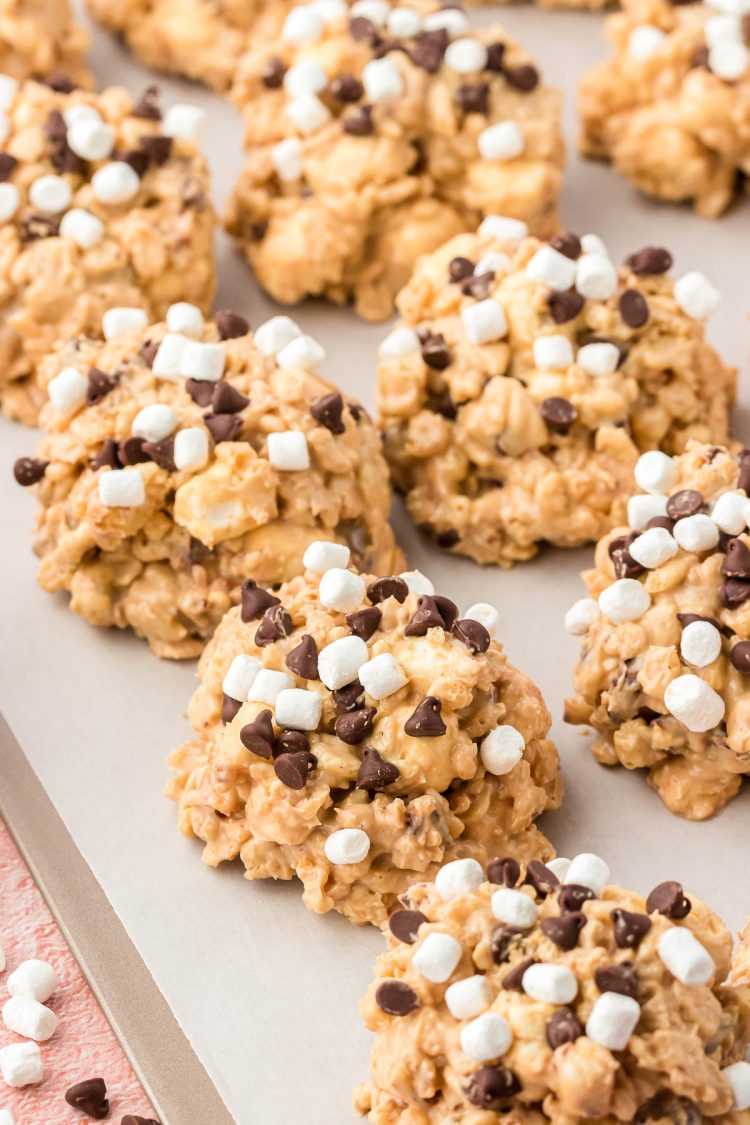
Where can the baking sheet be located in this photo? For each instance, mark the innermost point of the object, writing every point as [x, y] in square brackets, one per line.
[267, 993]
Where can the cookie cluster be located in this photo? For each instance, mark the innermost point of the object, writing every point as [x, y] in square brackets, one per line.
[359, 732]
[540, 993]
[375, 133]
[180, 455]
[525, 377]
[665, 659]
[41, 40]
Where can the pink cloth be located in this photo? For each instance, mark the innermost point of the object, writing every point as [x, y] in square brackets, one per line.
[84, 1045]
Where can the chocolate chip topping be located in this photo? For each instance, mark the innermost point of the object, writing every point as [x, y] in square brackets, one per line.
[539, 876]
[131, 451]
[684, 503]
[223, 427]
[200, 391]
[473, 634]
[162, 453]
[491, 1087]
[504, 872]
[624, 564]
[473, 97]
[478, 286]
[290, 742]
[303, 660]
[513, 981]
[364, 622]
[8, 165]
[436, 353]
[107, 457]
[743, 479]
[363, 30]
[564, 306]
[59, 82]
[572, 896]
[404, 924]
[739, 656]
[564, 931]
[502, 940]
[737, 560]
[29, 470]
[664, 1105]
[396, 997]
[460, 268]
[428, 49]
[147, 107]
[329, 411]
[276, 625]
[231, 325]
[359, 123]
[294, 769]
[563, 1027]
[391, 587]
[147, 353]
[566, 243]
[346, 88]
[661, 521]
[157, 150]
[229, 708]
[650, 260]
[375, 773]
[617, 978]
[99, 385]
[523, 78]
[226, 399]
[633, 308]
[258, 736]
[669, 899]
[134, 1119]
[90, 1097]
[686, 619]
[496, 57]
[630, 928]
[349, 698]
[559, 414]
[35, 227]
[426, 721]
[272, 75]
[355, 726]
[255, 600]
[432, 612]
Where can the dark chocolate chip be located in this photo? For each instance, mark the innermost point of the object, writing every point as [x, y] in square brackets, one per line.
[156, 148]
[460, 268]
[294, 769]
[90, 1097]
[428, 49]
[276, 625]
[564, 305]
[350, 697]
[686, 619]
[426, 721]
[161, 453]
[737, 561]
[650, 260]
[505, 872]
[684, 503]
[740, 657]
[230, 325]
[59, 82]
[290, 742]
[329, 411]
[633, 308]
[473, 98]
[200, 391]
[669, 899]
[513, 981]
[630, 928]
[147, 352]
[258, 736]
[355, 726]
[223, 427]
[436, 353]
[8, 165]
[359, 123]
[404, 924]
[229, 708]
[492, 1087]
[624, 564]
[364, 622]
[147, 106]
[559, 414]
[447, 539]
[539, 876]
[131, 451]
[346, 88]
[563, 1027]
[523, 78]
[734, 592]
[473, 634]
[572, 896]
[390, 587]
[502, 940]
[32, 228]
[137, 159]
[665, 1105]
[255, 600]
[617, 978]
[107, 456]
[197, 552]
[432, 612]
[564, 931]
[478, 286]
[303, 659]
[567, 243]
[134, 1119]
[375, 773]
[661, 521]
[363, 30]
[396, 998]
[272, 75]
[99, 385]
[496, 57]
[743, 480]
[29, 470]
[226, 399]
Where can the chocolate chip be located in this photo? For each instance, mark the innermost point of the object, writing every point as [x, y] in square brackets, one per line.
[666, 1106]
[90, 1097]
[563, 1027]
[137, 159]
[231, 325]
[99, 385]
[197, 551]
[131, 451]
[161, 453]
[624, 564]
[436, 353]
[633, 308]
[432, 612]
[739, 656]
[29, 470]
[355, 726]
[157, 149]
[200, 391]
[669, 899]
[686, 619]
[617, 978]
[564, 306]
[630, 928]
[226, 399]
[737, 561]
[478, 286]
[559, 414]
[364, 622]
[502, 940]
[473, 634]
[505, 871]
[567, 243]
[8, 165]
[134, 1119]
[147, 106]
[255, 600]
[428, 49]
[107, 457]
[661, 521]
[523, 78]
[426, 721]
[59, 82]
[404, 924]
[447, 539]
[460, 268]
[329, 411]
[147, 352]
[290, 742]
[223, 427]
[650, 260]
[473, 98]
[391, 587]
[572, 896]
[276, 625]
[496, 57]
[303, 659]
[258, 736]
[363, 30]
[564, 931]
[293, 770]
[743, 479]
[513, 981]
[349, 698]
[396, 998]
[229, 708]
[272, 75]
[684, 503]
[360, 123]
[346, 88]
[734, 592]
[32, 228]
[491, 1087]
[375, 773]
[539, 876]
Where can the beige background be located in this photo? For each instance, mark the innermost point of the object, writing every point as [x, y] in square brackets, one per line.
[266, 992]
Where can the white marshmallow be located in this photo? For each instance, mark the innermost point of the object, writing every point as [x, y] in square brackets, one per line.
[302, 351]
[454, 21]
[593, 244]
[347, 845]
[552, 352]
[401, 341]
[601, 358]
[240, 676]
[330, 10]
[644, 41]
[596, 277]
[485, 1038]
[641, 509]
[722, 29]
[486, 615]
[700, 643]
[122, 488]
[550, 984]
[484, 321]
[729, 60]
[191, 449]
[2, 951]
[654, 547]
[461, 876]
[468, 997]
[321, 555]
[33, 978]
[6, 1117]
[588, 870]
[308, 113]
[155, 422]
[341, 590]
[492, 263]
[185, 319]
[306, 77]
[67, 391]
[21, 1064]
[299, 709]
[730, 511]
[80, 226]
[204, 362]
[417, 582]
[167, 362]
[695, 295]
[625, 600]
[8, 90]
[29, 1018]
[502, 749]
[268, 686]
[581, 616]
[382, 80]
[514, 908]
[382, 676]
[437, 957]
[559, 867]
[340, 661]
[9, 200]
[274, 334]
[502, 141]
[510, 231]
[117, 321]
[403, 23]
[738, 1077]
[286, 157]
[696, 533]
[115, 183]
[694, 703]
[288, 451]
[91, 140]
[51, 194]
[613, 1020]
[302, 25]
[685, 957]
[376, 11]
[552, 268]
[466, 56]
[75, 113]
[183, 121]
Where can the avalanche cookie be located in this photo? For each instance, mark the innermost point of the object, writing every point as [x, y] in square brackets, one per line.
[665, 659]
[524, 379]
[39, 39]
[375, 134]
[539, 994]
[182, 457]
[671, 110]
[357, 733]
[103, 202]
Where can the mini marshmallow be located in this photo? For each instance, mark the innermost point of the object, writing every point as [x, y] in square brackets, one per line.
[738, 1077]
[75, 113]
[601, 358]
[183, 121]
[552, 268]
[559, 867]
[167, 363]
[403, 23]
[417, 582]
[468, 997]
[382, 80]
[347, 845]
[79, 226]
[502, 749]
[191, 449]
[644, 41]
[340, 661]
[51, 194]
[115, 183]
[696, 533]
[654, 547]
[613, 1020]
[329, 10]
[21, 1064]
[341, 590]
[502, 141]
[322, 555]
[185, 319]
[268, 686]
[67, 391]
[485, 614]
[514, 908]
[122, 488]
[466, 56]
[460, 876]
[693, 702]
[117, 321]
[730, 512]
[288, 451]
[286, 157]
[641, 509]
[6, 1117]
[302, 351]
[90, 139]
[700, 643]
[240, 676]
[510, 231]
[29, 1018]
[273, 335]
[437, 957]
[729, 60]
[376, 11]
[302, 25]
[454, 21]
[299, 709]
[204, 362]
[306, 77]
[552, 352]
[581, 616]
[382, 676]
[492, 263]
[593, 244]
[681, 952]
[695, 295]
[596, 277]
[308, 113]
[484, 321]
[155, 422]
[33, 978]
[722, 29]
[401, 341]
[485, 1038]
[625, 600]
[550, 984]
[9, 200]
[588, 870]
[8, 90]
[2, 959]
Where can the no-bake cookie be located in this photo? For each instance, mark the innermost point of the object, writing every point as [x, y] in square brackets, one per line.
[520, 996]
[375, 134]
[39, 39]
[525, 377]
[665, 658]
[671, 109]
[104, 202]
[182, 457]
[357, 733]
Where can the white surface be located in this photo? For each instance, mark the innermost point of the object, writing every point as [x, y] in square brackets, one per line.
[266, 991]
